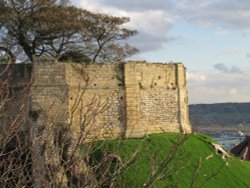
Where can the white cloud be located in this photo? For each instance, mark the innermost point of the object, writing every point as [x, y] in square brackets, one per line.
[233, 91]
[196, 76]
[218, 87]
[151, 20]
[154, 19]
[220, 13]
[222, 32]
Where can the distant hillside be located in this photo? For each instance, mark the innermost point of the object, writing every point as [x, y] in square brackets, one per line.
[220, 115]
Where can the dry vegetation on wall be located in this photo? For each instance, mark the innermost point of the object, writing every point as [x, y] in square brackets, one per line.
[37, 150]
[15, 156]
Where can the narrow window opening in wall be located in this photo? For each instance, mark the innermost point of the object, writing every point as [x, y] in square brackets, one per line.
[172, 84]
[140, 85]
[159, 77]
[71, 98]
[94, 84]
[119, 84]
[174, 88]
[155, 84]
[121, 98]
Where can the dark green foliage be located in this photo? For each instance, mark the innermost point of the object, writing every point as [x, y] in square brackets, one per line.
[74, 56]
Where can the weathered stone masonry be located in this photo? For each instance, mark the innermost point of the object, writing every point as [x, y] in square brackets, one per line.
[156, 98]
[124, 99]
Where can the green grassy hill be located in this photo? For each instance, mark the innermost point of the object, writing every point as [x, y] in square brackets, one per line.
[193, 163]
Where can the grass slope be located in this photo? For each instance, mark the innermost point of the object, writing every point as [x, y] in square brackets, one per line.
[187, 165]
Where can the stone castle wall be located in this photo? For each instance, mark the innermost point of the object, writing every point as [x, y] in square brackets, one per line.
[156, 98]
[110, 100]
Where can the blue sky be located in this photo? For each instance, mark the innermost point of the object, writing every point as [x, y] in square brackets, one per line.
[210, 37]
